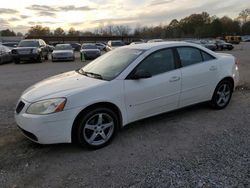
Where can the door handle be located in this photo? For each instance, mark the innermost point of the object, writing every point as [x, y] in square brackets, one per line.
[212, 68]
[174, 79]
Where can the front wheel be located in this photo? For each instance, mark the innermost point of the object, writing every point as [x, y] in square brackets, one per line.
[222, 95]
[97, 128]
[39, 59]
[46, 57]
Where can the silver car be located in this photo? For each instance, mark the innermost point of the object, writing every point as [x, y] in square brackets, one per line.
[63, 52]
[90, 51]
[5, 54]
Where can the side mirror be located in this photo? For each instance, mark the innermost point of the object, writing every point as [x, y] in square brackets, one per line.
[141, 74]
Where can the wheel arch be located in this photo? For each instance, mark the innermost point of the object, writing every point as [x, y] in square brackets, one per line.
[228, 78]
[109, 105]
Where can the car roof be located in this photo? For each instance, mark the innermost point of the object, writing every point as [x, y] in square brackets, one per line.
[147, 46]
[91, 44]
[37, 40]
[63, 45]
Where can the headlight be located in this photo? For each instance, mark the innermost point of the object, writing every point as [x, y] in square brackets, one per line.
[47, 106]
[35, 51]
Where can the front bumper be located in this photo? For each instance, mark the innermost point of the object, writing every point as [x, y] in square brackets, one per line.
[91, 55]
[47, 129]
[25, 57]
[63, 58]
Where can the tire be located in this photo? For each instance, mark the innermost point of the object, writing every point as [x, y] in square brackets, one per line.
[97, 128]
[17, 61]
[39, 59]
[222, 95]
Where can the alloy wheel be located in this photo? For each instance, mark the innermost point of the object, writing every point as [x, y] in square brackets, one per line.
[98, 129]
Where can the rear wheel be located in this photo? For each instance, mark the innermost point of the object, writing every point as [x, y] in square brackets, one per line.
[222, 95]
[39, 59]
[17, 61]
[97, 128]
[46, 57]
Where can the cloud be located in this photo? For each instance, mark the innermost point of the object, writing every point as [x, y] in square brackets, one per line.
[8, 11]
[115, 20]
[160, 2]
[73, 8]
[13, 19]
[59, 8]
[4, 23]
[43, 22]
[41, 8]
[24, 16]
[46, 13]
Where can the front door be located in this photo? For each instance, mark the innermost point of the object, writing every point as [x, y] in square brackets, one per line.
[157, 94]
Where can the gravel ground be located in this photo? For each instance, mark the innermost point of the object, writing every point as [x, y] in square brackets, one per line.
[191, 147]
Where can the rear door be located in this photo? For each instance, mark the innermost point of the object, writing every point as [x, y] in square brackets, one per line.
[160, 93]
[199, 75]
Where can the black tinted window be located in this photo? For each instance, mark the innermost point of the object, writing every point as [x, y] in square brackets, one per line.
[206, 56]
[158, 62]
[189, 56]
[28, 43]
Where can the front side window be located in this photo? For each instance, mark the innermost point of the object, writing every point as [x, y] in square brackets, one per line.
[189, 56]
[206, 56]
[158, 62]
[28, 43]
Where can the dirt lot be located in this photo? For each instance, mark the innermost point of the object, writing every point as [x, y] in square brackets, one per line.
[192, 147]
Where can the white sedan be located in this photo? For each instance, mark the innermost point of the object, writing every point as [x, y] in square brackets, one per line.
[63, 52]
[89, 105]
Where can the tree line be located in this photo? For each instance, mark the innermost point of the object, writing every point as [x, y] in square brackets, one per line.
[196, 25]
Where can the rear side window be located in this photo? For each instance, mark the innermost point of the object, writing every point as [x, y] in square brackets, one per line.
[158, 62]
[189, 56]
[206, 56]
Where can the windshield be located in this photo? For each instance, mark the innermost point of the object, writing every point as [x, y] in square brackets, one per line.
[117, 43]
[111, 64]
[63, 47]
[28, 43]
[89, 46]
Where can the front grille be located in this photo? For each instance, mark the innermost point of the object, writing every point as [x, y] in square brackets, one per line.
[29, 134]
[20, 107]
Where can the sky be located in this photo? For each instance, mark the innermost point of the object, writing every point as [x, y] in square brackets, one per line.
[83, 15]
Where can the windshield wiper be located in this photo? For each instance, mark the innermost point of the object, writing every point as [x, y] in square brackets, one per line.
[90, 74]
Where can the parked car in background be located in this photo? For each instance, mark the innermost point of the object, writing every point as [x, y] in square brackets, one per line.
[113, 44]
[155, 40]
[222, 45]
[90, 51]
[134, 82]
[63, 52]
[209, 44]
[138, 42]
[5, 54]
[76, 46]
[205, 43]
[30, 50]
[10, 45]
[100, 46]
[50, 48]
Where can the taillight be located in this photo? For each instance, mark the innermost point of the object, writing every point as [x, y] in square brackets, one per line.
[237, 62]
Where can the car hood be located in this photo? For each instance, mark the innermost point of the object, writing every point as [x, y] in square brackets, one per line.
[62, 51]
[90, 50]
[25, 48]
[61, 85]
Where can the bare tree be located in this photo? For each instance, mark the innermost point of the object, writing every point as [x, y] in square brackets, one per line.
[244, 15]
[122, 30]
